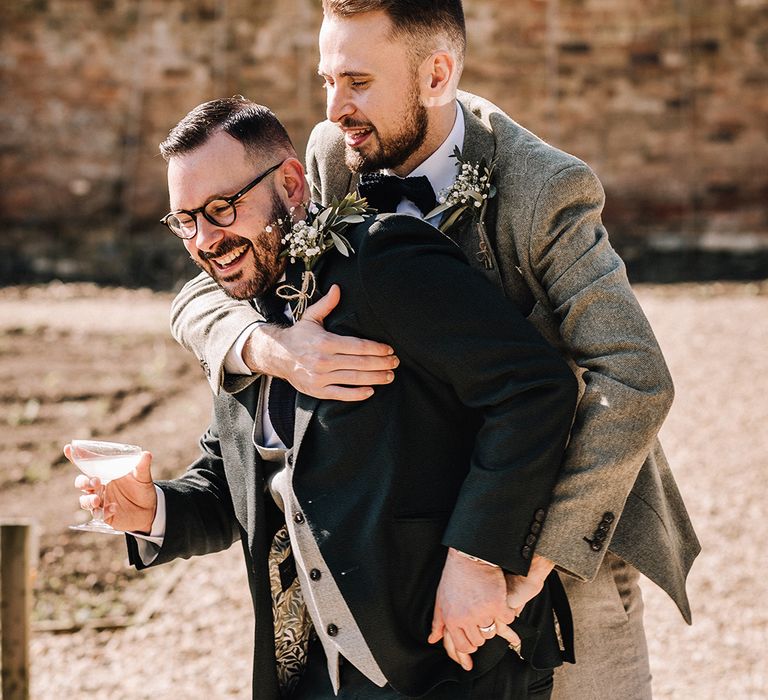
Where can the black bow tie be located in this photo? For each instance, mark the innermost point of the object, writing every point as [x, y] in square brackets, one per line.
[384, 192]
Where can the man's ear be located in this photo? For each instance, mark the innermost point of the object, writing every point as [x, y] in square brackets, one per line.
[438, 78]
[292, 183]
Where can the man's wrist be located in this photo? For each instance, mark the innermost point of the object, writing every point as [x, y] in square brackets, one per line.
[261, 351]
[540, 567]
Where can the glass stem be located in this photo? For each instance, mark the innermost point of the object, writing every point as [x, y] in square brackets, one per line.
[98, 513]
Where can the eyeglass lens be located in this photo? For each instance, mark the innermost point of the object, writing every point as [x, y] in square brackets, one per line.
[218, 211]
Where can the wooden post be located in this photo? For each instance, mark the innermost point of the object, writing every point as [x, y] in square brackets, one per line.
[15, 608]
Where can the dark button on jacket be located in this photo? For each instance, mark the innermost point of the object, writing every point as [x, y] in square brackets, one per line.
[601, 532]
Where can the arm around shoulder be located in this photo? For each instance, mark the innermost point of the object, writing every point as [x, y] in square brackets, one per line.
[207, 322]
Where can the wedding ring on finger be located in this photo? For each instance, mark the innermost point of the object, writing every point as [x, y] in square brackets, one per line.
[488, 629]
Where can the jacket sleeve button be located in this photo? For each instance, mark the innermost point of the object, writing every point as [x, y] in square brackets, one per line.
[535, 527]
[608, 517]
[531, 540]
[526, 552]
[539, 515]
[596, 546]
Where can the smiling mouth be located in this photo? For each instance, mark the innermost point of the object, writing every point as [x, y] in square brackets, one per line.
[355, 137]
[228, 261]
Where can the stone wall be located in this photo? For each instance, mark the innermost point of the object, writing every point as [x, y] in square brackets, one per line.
[666, 99]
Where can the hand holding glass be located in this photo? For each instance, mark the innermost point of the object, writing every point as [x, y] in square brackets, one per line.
[105, 461]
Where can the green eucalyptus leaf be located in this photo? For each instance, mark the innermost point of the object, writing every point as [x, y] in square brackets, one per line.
[322, 217]
[340, 243]
[438, 210]
[453, 218]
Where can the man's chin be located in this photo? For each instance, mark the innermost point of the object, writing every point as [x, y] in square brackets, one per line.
[242, 290]
[235, 286]
[354, 160]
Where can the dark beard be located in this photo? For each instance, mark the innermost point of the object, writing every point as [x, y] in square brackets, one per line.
[399, 148]
[268, 268]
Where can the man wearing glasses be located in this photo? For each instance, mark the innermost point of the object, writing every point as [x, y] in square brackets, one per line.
[423, 499]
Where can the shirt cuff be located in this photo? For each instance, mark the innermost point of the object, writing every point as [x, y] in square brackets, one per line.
[478, 559]
[233, 362]
[147, 550]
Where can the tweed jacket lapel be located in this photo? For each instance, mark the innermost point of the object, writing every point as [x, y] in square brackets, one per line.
[480, 245]
[474, 243]
[245, 472]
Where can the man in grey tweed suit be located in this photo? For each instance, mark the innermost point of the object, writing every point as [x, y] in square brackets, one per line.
[391, 71]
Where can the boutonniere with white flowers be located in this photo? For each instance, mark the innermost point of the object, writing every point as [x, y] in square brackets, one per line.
[468, 196]
[310, 238]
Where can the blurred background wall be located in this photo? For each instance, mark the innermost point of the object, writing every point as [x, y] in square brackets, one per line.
[666, 99]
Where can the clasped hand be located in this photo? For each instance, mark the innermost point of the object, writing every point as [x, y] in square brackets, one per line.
[476, 602]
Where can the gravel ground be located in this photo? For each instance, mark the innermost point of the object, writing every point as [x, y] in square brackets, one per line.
[199, 644]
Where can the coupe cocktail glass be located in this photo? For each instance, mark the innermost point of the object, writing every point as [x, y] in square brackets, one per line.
[106, 461]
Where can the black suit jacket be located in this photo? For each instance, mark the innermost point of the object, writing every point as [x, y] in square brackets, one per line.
[461, 450]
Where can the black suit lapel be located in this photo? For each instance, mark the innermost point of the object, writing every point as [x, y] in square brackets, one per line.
[306, 405]
[305, 410]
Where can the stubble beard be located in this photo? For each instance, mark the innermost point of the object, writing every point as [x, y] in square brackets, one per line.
[396, 149]
[264, 270]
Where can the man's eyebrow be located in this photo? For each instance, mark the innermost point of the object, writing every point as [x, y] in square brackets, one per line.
[346, 73]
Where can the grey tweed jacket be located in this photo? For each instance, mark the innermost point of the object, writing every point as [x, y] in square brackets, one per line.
[549, 253]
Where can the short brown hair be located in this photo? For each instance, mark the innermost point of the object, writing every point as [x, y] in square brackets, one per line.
[253, 125]
[419, 20]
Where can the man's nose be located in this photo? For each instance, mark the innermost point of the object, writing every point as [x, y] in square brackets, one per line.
[338, 103]
[208, 234]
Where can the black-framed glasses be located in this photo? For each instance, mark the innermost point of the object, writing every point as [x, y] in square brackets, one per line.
[220, 211]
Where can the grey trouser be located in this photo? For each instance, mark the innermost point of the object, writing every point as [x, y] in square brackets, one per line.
[609, 639]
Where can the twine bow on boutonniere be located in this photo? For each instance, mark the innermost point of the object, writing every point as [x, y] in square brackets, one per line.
[310, 238]
[468, 197]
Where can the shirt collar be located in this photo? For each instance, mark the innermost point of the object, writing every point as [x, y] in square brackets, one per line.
[440, 168]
